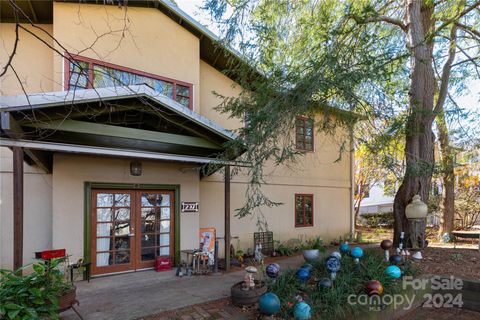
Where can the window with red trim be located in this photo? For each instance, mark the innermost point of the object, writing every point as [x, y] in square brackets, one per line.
[303, 210]
[304, 134]
[86, 73]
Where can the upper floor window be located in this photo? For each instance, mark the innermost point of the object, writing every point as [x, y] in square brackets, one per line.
[89, 73]
[304, 134]
[303, 210]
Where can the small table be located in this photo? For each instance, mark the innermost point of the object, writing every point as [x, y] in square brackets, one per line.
[79, 265]
[470, 234]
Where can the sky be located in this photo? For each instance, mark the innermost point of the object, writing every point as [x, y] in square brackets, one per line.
[468, 101]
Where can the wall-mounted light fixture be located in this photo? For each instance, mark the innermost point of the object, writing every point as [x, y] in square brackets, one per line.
[136, 168]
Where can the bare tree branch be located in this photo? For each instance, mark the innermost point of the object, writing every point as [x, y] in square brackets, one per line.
[386, 19]
[447, 67]
[468, 29]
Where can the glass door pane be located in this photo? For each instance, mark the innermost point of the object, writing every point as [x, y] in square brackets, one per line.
[156, 210]
[113, 231]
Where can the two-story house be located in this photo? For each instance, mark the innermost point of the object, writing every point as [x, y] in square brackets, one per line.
[107, 126]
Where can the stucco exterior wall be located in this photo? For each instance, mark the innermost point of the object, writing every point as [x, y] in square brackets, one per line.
[37, 210]
[139, 38]
[33, 60]
[72, 171]
[211, 80]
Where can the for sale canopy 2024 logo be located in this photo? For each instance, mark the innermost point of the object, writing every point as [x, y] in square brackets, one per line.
[436, 291]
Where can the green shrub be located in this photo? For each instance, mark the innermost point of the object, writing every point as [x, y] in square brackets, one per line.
[378, 219]
[33, 296]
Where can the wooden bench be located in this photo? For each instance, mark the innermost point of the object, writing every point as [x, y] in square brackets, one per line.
[468, 234]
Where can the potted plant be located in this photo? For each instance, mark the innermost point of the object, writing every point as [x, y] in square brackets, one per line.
[313, 248]
[40, 294]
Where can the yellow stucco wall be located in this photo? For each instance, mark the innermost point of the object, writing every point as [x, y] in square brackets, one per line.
[33, 60]
[37, 210]
[72, 171]
[139, 38]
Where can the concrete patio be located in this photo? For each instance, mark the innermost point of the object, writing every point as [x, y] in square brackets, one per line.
[139, 294]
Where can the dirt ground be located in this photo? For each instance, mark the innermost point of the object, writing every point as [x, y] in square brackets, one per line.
[463, 263]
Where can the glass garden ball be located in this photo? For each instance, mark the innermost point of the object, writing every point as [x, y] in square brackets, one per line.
[308, 266]
[325, 283]
[374, 287]
[357, 252]
[344, 248]
[336, 254]
[332, 264]
[303, 274]
[272, 270]
[269, 303]
[396, 259]
[393, 272]
[302, 311]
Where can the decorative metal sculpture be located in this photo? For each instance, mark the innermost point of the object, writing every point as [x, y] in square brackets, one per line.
[269, 304]
[374, 287]
[386, 245]
[357, 253]
[333, 266]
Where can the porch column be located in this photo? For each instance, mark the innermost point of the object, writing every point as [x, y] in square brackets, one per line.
[17, 207]
[227, 218]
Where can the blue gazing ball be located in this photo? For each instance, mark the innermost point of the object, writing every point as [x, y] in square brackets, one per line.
[344, 248]
[332, 264]
[396, 259]
[303, 274]
[325, 283]
[393, 272]
[302, 311]
[357, 252]
[269, 303]
[308, 266]
[272, 270]
[336, 254]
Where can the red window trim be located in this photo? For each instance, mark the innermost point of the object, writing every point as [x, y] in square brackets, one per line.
[92, 62]
[303, 195]
[305, 119]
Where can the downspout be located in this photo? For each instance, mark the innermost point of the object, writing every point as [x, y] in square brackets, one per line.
[352, 183]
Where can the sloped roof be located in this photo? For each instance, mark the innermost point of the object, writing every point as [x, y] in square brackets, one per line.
[53, 99]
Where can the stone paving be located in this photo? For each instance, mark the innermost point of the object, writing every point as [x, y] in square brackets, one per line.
[218, 310]
[140, 294]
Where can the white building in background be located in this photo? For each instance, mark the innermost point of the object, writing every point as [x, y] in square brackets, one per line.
[376, 200]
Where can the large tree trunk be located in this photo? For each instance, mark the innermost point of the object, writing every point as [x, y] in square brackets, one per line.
[448, 176]
[419, 140]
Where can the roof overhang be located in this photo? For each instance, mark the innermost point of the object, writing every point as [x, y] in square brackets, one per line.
[127, 121]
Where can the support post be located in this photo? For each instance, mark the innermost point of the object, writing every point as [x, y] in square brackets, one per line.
[227, 218]
[17, 207]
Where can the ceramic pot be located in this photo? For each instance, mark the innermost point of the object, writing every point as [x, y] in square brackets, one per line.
[311, 255]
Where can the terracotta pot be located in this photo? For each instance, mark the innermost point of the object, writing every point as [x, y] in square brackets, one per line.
[67, 299]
